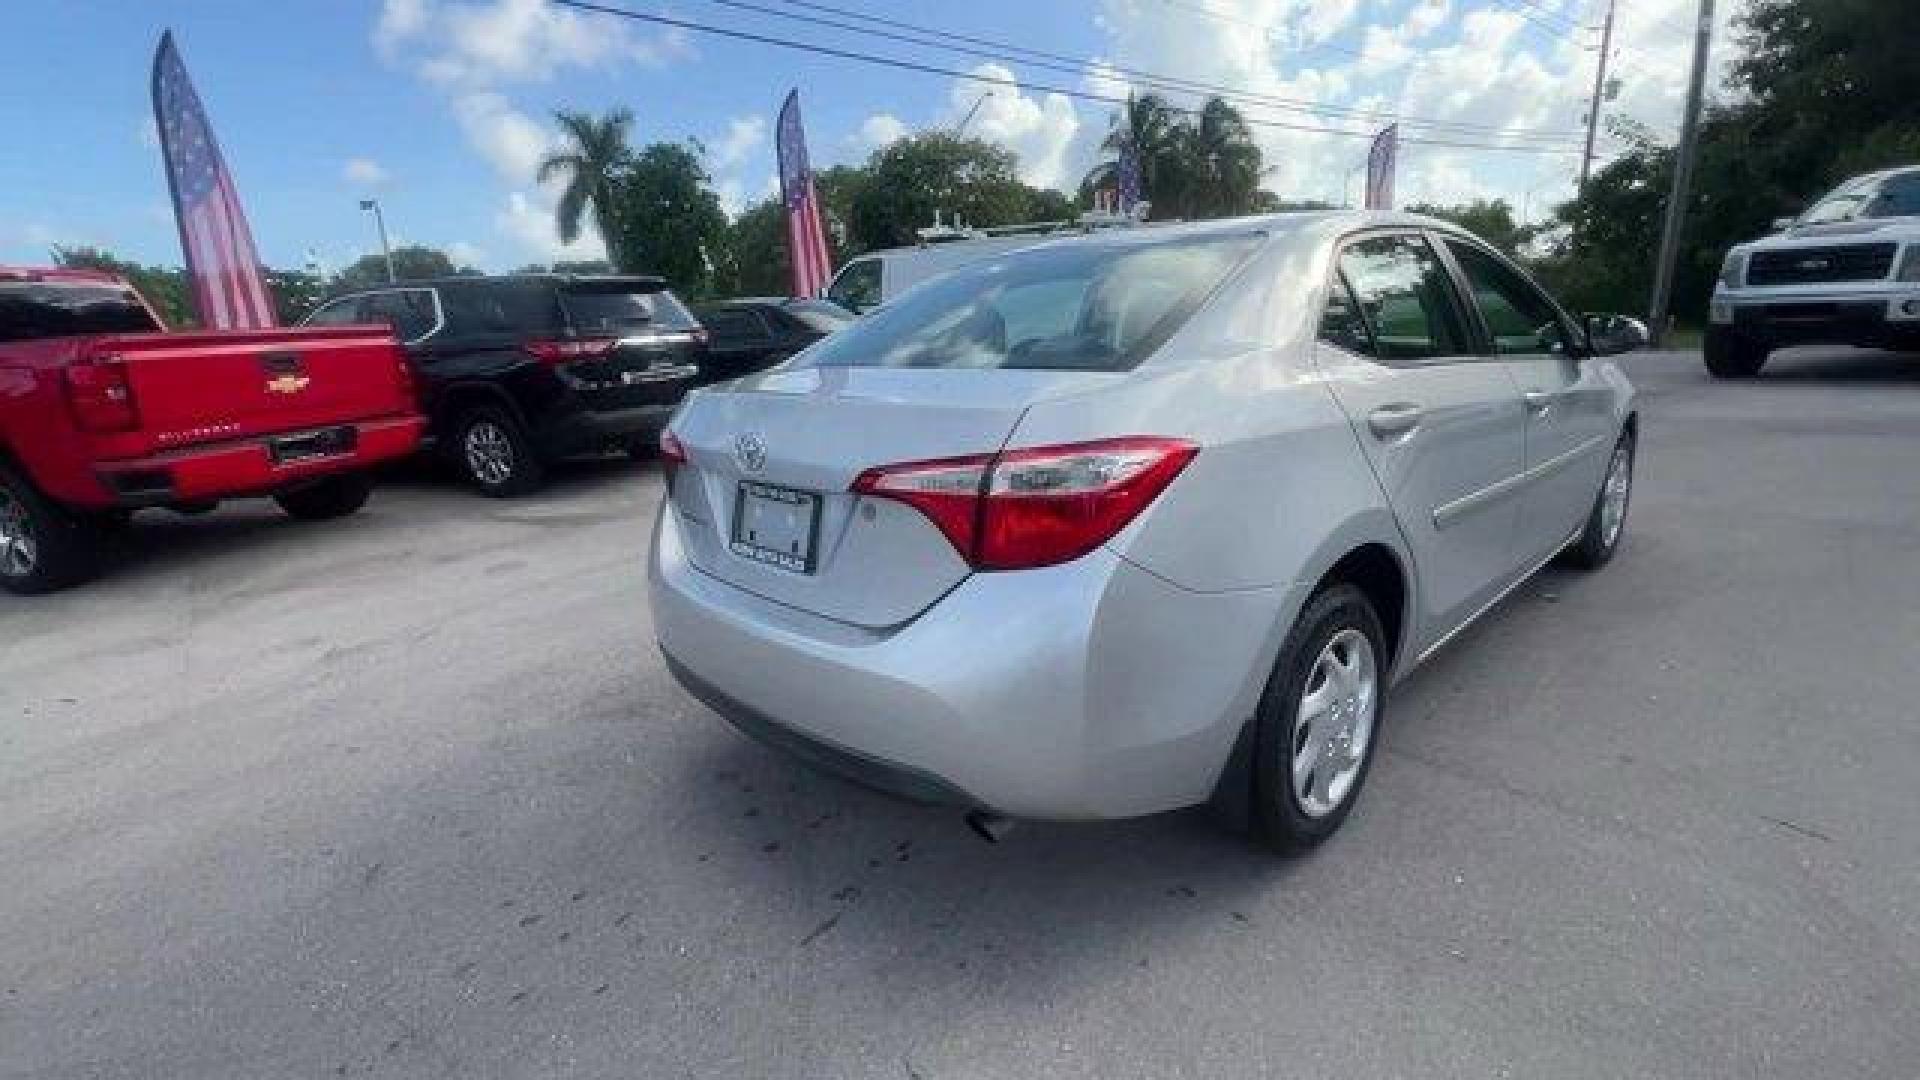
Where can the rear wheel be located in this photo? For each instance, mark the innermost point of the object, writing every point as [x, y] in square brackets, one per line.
[41, 548]
[1319, 719]
[1730, 356]
[336, 496]
[495, 453]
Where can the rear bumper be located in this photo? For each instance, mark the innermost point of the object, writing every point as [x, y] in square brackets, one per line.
[1879, 319]
[246, 467]
[1087, 690]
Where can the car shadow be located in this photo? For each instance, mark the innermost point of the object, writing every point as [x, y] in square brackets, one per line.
[1817, 366]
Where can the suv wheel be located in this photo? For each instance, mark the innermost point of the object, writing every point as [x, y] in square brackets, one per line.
[41, 548]
[1319, 719]
[495, 453]
[1730, 356]
[335, 496]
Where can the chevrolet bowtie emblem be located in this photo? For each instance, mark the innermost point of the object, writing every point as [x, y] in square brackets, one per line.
[287, 384]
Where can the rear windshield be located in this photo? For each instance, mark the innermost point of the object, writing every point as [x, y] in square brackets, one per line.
[601, 310]
[1083, 307]
[42, 309]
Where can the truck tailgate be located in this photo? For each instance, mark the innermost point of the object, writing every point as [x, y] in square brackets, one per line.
[193, 388]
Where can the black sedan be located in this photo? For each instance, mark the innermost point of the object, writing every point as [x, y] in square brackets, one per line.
[752, 333]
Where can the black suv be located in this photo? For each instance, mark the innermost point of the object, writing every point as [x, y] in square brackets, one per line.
[518, 370]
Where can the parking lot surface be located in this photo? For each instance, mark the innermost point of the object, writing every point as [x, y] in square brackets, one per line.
[411, 794]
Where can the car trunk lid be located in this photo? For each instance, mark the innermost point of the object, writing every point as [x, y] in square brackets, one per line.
[771, 459]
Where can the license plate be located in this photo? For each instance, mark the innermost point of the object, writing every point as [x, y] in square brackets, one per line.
[317, 444]
[775, 525]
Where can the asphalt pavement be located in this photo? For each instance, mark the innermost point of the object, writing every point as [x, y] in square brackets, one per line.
[411, 794]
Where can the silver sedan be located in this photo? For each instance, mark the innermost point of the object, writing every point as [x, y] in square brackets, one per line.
[1138, 520]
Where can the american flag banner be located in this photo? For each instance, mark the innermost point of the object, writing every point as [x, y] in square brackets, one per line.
[1128, 189]
[1380, 164]
[229, 290]
[806, 238]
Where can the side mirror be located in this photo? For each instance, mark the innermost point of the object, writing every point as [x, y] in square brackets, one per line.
[1611, 335]
[1782, 224]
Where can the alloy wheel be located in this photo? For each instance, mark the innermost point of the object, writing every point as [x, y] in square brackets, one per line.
[1333, 725]
[489, 451]
[19, 553]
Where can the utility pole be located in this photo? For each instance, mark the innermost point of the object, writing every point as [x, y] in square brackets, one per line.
[1682, 178]
[381, 221]
[1599, 88]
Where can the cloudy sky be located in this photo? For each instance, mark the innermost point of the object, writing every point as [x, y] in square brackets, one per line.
[442, 108]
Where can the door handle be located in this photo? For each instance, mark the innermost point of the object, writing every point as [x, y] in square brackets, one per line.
[1390, 421]
[1538, 401]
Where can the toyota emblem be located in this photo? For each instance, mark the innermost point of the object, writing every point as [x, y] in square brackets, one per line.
[750, 450]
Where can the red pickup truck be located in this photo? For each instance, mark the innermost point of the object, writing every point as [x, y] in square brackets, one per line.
[102, 412]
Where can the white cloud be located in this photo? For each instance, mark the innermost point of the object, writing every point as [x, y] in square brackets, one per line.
[527, 220]
[364, 172]
[486, 42]
[465, 254]
[1425, 17]
[877, 131]
[1041, 130]
[743, 136]
[510, 140]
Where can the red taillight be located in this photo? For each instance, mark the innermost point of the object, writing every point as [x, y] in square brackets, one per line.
[1038, 506]
[568, 350]
[101, 396]
[673, 454]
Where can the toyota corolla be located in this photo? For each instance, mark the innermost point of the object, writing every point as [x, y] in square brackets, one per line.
[1140, 519]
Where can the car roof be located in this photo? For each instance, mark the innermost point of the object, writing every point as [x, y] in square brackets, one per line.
[1298, 225]
[76, 275]
[649, 282]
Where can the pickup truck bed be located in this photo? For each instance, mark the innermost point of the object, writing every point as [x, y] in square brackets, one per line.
[95, 424]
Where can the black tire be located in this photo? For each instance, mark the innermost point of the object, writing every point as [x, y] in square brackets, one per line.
[1280, 819]
[492, 451]
[323, 500]
[42, 548]
[1730, 356]
[1600, 538]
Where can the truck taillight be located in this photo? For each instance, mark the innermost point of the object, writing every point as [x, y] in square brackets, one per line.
[1021, 509]
[566, 351]
[101, 396]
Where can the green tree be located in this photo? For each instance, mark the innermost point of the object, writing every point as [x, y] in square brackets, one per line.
[592, 164]
[1491, 221]
[295, 292]
[967, 181]
[1191, 166]
[411, 262]
[670, 219]
[757, 263]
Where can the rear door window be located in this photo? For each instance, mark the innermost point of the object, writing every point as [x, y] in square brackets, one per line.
[858, 286]
[342, 312]
[1083, 306]
[411, 313]
[1899, 196]
[1406, 297]
[498, 308]
[42, 309]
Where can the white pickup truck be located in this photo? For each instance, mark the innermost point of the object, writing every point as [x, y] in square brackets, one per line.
[1845, 272]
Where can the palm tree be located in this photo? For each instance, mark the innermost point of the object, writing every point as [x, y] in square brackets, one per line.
[1151, 127]
[1220, 150]
[596, 153]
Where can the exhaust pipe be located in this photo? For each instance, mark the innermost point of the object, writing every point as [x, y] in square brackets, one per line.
[989, 826]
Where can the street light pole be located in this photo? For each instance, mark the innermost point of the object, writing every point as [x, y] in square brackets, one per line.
[1657, 308]
[1599, 88]
[961, 128]
[380, 221]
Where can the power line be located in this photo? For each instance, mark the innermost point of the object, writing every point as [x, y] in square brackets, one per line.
[1064, 91]
[1072, 66]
